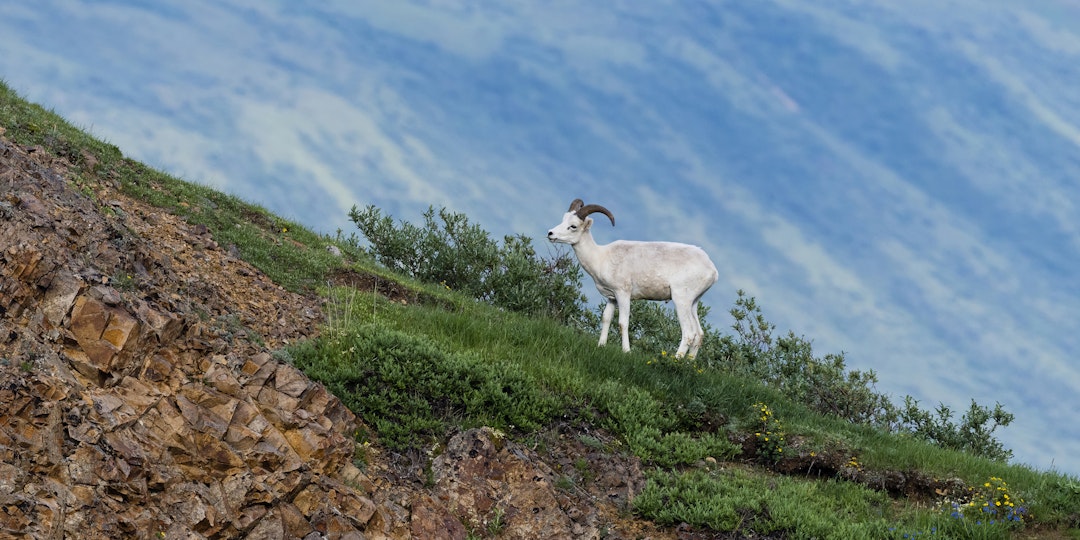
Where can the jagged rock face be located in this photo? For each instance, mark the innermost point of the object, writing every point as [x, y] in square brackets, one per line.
[518, 496]
[130, 405]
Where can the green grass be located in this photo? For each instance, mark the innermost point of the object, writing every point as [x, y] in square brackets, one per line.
[737, 499]
[440, 361]
[740, 500]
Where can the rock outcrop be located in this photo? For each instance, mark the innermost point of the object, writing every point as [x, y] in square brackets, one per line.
[136, 398]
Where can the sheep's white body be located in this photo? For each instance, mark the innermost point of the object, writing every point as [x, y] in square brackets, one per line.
[627, 270]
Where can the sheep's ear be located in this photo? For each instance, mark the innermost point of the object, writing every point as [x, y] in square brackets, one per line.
[587, 224]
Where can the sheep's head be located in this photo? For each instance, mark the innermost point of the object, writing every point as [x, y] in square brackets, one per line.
[576, 222]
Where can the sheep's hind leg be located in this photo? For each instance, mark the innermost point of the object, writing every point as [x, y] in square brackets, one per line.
[683, 346]
[690, 337]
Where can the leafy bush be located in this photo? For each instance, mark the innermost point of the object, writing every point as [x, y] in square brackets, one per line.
[825, 385]
[449, 250]
[974, 433]
[788, 364]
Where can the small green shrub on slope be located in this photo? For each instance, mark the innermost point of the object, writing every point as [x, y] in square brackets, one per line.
[414, 391]
[788, 364]
[974, 433]
[738, 500]
[463, 257]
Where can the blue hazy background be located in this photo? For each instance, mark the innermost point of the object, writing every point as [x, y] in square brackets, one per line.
[899, 181]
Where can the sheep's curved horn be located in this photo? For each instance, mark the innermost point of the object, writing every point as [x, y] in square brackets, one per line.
[578, 203]
[592, 209]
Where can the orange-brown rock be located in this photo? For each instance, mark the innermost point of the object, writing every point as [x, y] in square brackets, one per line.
[515, 491]
[124, 410]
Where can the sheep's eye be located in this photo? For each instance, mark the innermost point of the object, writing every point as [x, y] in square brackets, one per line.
[573, 227]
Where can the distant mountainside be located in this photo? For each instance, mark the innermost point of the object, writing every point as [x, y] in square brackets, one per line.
[896, 179]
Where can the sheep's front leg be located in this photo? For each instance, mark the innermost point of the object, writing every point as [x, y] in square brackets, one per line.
[609, 311]
[624, 319]
[699, 333]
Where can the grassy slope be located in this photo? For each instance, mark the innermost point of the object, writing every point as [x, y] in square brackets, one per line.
[412, 369]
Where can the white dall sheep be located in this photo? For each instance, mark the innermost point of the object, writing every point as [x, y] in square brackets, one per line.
[626, 270]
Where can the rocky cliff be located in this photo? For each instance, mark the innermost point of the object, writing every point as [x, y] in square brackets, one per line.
[140, 398]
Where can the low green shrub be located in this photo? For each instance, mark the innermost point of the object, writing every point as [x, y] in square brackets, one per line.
[413, 391]
[679, 447]
[736, 500]
[974, 433]
[450, 250]
[788, 364]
